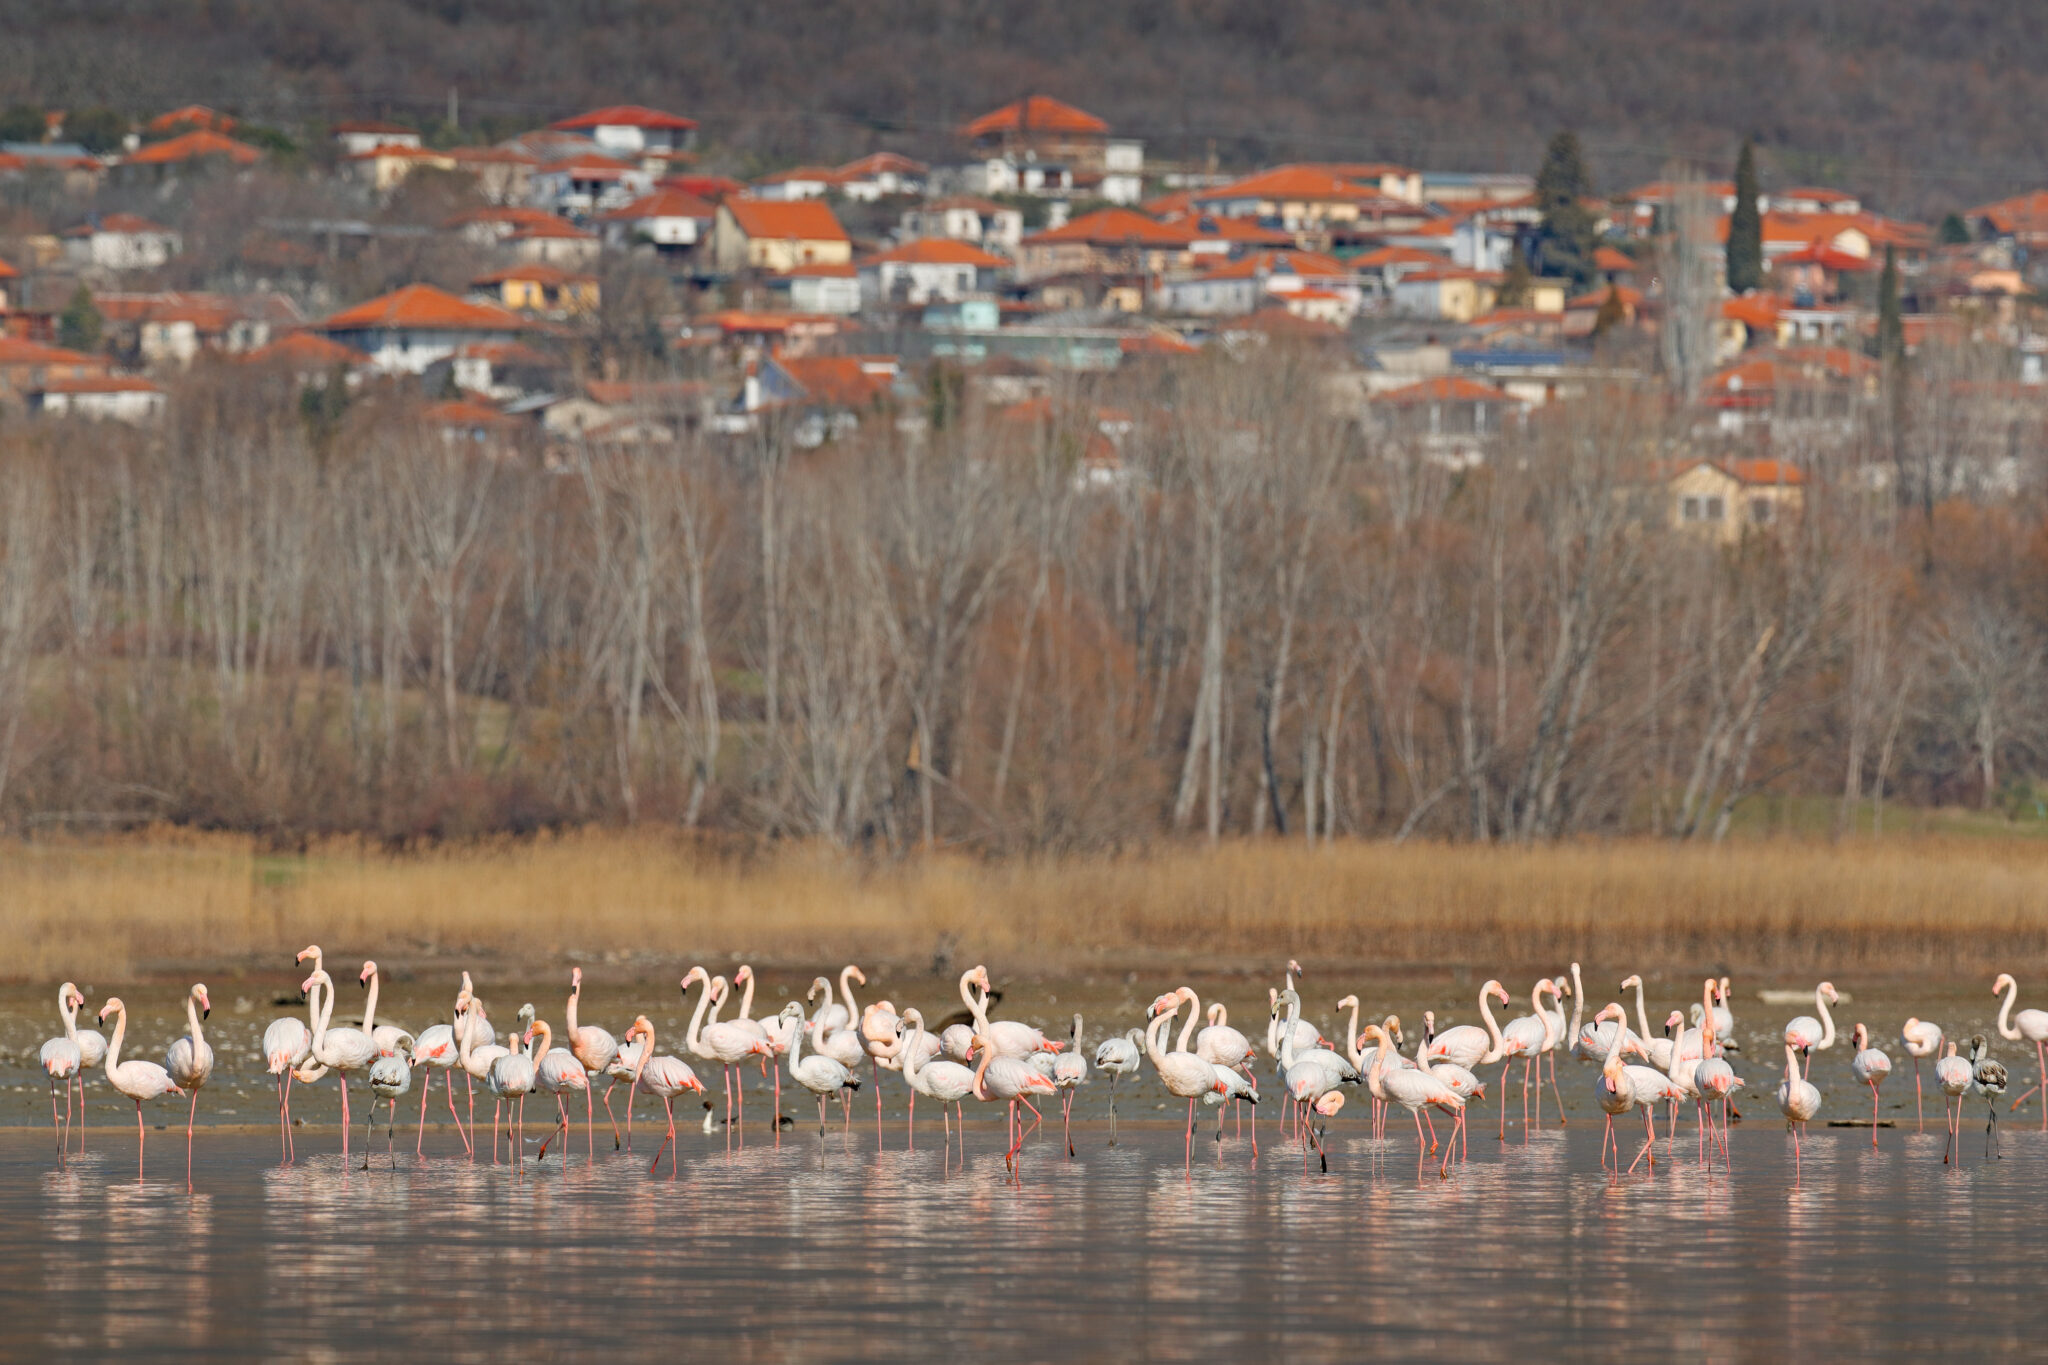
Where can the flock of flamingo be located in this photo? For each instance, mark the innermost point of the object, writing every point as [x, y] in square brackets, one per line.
[972, 1056]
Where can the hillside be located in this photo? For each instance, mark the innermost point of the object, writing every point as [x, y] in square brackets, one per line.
[1920, 104]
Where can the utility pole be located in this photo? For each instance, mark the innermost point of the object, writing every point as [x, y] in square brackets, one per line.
[454, 108]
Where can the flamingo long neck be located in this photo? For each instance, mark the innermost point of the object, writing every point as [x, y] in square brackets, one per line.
[1187, 1030]
[114, 1043]
[1351, 1047]
[370, 1004]
[1791, 1065]
[846, 990]
[2012, 993]
[913, 1055]
[1827, 1021]
[1160, 1023]
[988, 1054]
[967, 993]
[1287, 1029]
[1542, 1014]
[322, 1004]
[720, 988]
[639, 1063]
[697, 1019]
[1272, 1021]
[569, 1013]
[543, 1039]
[69, 1013]
[1578, 1002]
[1492, 1025]
[796, 1045]
[1383, 1047]
[1642, 1015]
[747, 1001]
[198, 1034]
[1611, 1068]
[1075, 1046]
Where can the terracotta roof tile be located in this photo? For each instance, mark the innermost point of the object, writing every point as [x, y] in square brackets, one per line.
[1448, 388]
[662, 203]
[626, 116]
[804, 220]
[939, 251]
[422, 306]
[192, 146]
[1115, 227]
[1034, 113]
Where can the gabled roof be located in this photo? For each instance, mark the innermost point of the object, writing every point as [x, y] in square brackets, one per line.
[939, 251]
[1037, 114]
[1264, 263]
[421, 306]
[126, 224]
[880, 163]
[667, 203]
[589, 166]
[709, 187]
[1607, 258]
[1114, 227]
[1818, 252]
[190, 147]
[1752, 473]
[1397, 255]
[1448, 388]
[190, 116]
[304, 350]
[822, 175]
[537, 272]
[15, 351]
[1758, 311]
[626, 116]
[1243, 230]
[848, 381]
[553, 228]
[1303, 183]
[98, 383]
[804, 220]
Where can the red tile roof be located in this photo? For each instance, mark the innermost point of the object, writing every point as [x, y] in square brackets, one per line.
[191, 146]
[190, 116]
[304, 349]
[1759, 311]
[626, 116]
[1034, 113]
[1304, 263]
[1818, 252]
[1114, 227]
[421, 306]
[126, 224]
[850, 381]
[538, 272]
[802, 220]
[1299, 183]
[508, 213]
[463, 412]
[98, 383]
[663, 203]
[1448, 388]
[552, 228]
[1762, 471]
[878, 163]
[1607, 258]
[711, 187]
[940, 251]
[15, 351]
[1397, 255]
[7, 272]
[1628, 298]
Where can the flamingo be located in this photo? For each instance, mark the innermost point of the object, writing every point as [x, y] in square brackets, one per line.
[138, 1080]
[1220, 1044]
[2031, 1025]
[1658, 1051]
[476, 1061]
[92, 1054]
[1798, 1101]
[880, 1035]
[390, 1077]
[820, 1075]
[1306, 1076]
[1184, 1074]
[1615, 1090]
[1118, 1058]
[189, 1060]
[1466, 1044]
[1014, 1081]
[1921, 1038]
[1070, 1070]
[667, 1077]
[831, 1014]
[287, 1043]
[1463, 1083]
[390, 1039]
[1955, 1076]
[340, 1050]
[947, 1082]
[437, 1049]
[1871, 1067]
[62, 1060]
[1523, 1036]
[472, 1019]
[624, 1067]
[511, 1079]
[595, 1050]
[1987, 1076]
[768, 1030]
[725, 1043]
[1413, 1089]
[1812, 1035]
[558, 1070]
[1011, 1038]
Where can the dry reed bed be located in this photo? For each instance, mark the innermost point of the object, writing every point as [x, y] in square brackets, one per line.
[170, 900]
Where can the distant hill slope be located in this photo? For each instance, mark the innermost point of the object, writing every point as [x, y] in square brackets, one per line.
[1920, 103]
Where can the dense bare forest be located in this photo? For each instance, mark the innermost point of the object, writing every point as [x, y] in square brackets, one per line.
[943, 630]
[1922, 105]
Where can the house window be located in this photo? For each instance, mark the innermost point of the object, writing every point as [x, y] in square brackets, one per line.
[1695, 508]
[1761, 510]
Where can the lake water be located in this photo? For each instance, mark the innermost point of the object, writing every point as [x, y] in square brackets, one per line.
[849, 1246]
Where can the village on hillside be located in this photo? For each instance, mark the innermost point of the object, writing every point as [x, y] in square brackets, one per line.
[597, 280]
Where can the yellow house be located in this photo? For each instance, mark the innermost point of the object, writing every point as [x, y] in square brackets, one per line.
[538, 287]
[1726, 498]
[387, 166]
[777, 235]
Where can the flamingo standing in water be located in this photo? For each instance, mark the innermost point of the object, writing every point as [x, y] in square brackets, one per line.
[340, 1050]
[1987, 1076]
[558, 1071]
[511, 1080]
[1070, 1069]
[62, 1060]
[189, 1060]
[1811, 1035]
[476, 1060]
[1871, 1067]
[667, 1077]
[1219, 1045]
[1414, 1090]
[769, 1031]
[880, 1037]
[1118, 1058]
[1014, 1082]
[1798, 1101]
[1615, 1089]
[389, 1039]
[287, 1043]
[438, 1049]
[1184, 1074]
[832, 1015]
[1526, 1036]
[92, 1055]
[138, 1080]
[2032, 1025]
[1954, 1075]
[818, 1074]
[390, 1077]
[1011, 1038]
[725, 1043]
[1921, 1038]
[948, 1082]
[595, 1050]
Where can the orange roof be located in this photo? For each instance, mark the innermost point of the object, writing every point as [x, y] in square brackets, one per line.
[823, 175]
[1236, 230]
[1448, 388]
[1280, 263]
[1037, 114]
[191, 146]
[711, 187]
[591, 166]
[818, 270]
[940, 251]
[304, 349]
[506, 213]
[124, 223]
[1759, 311]
[1658, 191]
[1761, 471]
[876, 163]
[626, 116]
[15, 351]
[1819, 194]
[421, 306]
[803, 220]
[1156, 343]
[844, 380]
[1396, 255]
[1607, 258]
[665, 203]
[190, 116]
[538, 272]
[99, 383]
[1115, 227]
[1278, 321]
[464, 412]
[1172, 205]
[7, 272]
[1818, 252]
[1306, 183]
[1629, 298]
[554, 228]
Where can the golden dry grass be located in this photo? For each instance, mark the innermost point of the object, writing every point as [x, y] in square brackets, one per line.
[154, 902]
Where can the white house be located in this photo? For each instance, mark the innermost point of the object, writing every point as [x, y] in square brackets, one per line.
[117, 398]
[1000, 175]
[633, 130]
[121, 241]
[801, 182]
[929, 270]
[831, 289]
[357, 138]
[966, 218]
[670, 220]
[406, 331]
[587, 183]
[1246, 285]
[879, 175]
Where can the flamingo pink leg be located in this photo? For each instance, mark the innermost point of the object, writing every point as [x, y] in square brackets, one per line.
[419, 1147]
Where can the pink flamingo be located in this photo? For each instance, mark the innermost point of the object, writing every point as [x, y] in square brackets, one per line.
[62, 1060]
[137, 1080]
[1921, 1038]
[667, 1077]
[2031, 1025]
[1010, 1080]
[596, 1050]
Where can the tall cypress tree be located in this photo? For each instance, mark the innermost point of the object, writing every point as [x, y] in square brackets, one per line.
[1745, 227]
[1566, 238]
[1891, 328]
